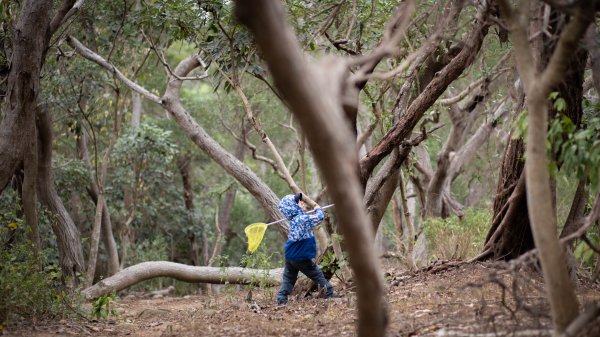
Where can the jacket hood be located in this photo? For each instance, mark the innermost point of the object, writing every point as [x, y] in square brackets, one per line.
[289, 207]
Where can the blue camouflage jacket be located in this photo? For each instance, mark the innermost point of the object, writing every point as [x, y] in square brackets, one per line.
[301, 244]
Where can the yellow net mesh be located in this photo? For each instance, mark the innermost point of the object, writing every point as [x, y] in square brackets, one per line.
[255, 233]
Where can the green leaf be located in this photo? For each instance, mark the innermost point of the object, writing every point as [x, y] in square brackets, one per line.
[560, 105]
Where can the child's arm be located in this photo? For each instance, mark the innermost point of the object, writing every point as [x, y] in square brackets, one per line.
[314, 219]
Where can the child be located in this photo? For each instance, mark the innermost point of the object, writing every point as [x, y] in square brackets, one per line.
[300, 247]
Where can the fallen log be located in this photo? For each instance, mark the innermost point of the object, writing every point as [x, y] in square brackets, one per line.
[193, 274]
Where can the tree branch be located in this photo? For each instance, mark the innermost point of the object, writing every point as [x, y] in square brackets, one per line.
[66, 10]
[90, 55]
[172, 104]
[436, 87]
[161, 58]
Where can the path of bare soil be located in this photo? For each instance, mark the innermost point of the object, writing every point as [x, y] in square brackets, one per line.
[447, 300]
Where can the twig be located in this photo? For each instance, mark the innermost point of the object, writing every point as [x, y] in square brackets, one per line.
[162, 60]
[60, 19]
[582, 321]
[254, 150]
[395, 30]
[590, 244]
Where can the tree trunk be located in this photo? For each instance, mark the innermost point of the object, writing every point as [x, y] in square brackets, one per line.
[100, 180]
[70, 252]
[510, 208]
[183, 164]
[259, 190]
[172, 104]
[226, 207]
[510, 204]
[23, 86]
[538, 84]
[108, 238]
[315, 97]
[148, 270]
[18, 139]
[410, 228]
[29, 192]
[136, 109]
[576, 213]
[399, 224]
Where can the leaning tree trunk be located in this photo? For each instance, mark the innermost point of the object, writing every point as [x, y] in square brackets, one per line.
[316, 99]
[69, 241]
[33, 31]
[415, 111]
[18, 134]
[510, 233]
[172, 104]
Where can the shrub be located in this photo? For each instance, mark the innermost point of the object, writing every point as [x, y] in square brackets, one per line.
[455, 238]
[25, 291]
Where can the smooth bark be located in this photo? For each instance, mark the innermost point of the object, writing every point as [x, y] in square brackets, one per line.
[315, 97]
[172, 104]
[108, 237]
[563, 302]
[148, 270]
[68, 237]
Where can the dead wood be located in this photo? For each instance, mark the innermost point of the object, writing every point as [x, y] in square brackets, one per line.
[148, 270]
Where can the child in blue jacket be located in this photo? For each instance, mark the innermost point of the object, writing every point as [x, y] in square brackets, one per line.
[300, 247]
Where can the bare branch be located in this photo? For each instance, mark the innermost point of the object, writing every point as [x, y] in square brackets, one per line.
[425, 49]
[567, 6]
[495, 73]
[254, 151]
[582, 321]
[395, 30]
[587, 222]
[516, 20]
[161, 58]
[467, 151]
[90, 55]
[567, 43]
[172, 104]
[67, 9]
[315, 97]
[434, 89]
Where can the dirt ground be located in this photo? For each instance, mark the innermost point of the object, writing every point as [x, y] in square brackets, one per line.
[450, 299]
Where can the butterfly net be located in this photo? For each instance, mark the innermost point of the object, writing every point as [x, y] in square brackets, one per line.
[255, 233]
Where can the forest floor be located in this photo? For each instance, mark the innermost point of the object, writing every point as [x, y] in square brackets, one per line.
[447, 299]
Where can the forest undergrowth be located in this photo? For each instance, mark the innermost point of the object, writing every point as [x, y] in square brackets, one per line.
[449, 298]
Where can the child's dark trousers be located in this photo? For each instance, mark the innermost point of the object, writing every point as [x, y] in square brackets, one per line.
[290, 275]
